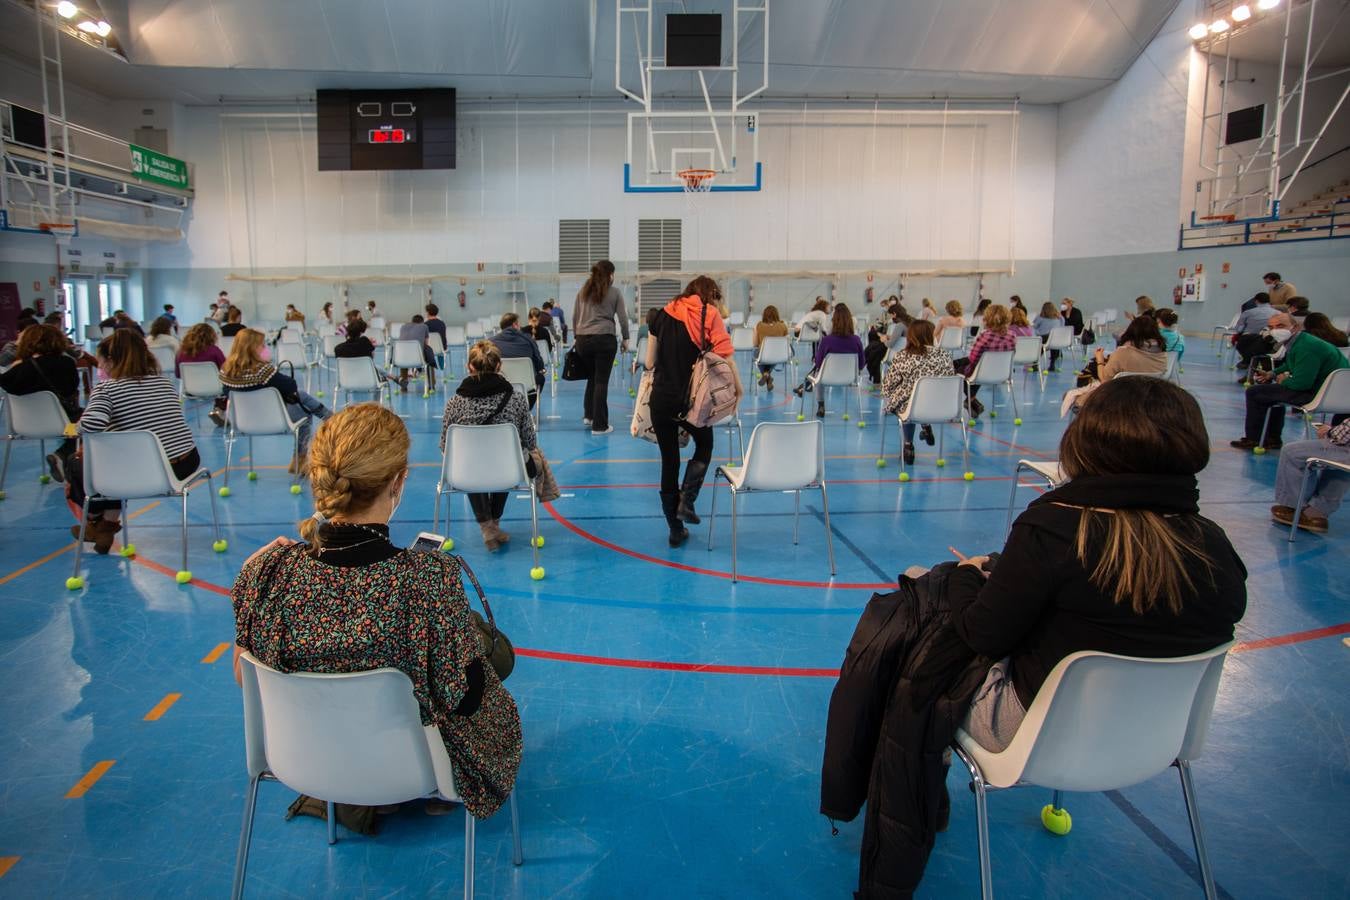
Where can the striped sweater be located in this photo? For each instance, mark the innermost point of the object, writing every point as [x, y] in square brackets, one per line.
[140, 404]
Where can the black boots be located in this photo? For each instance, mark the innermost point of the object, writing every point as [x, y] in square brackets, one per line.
[693, 483]
[670, 502]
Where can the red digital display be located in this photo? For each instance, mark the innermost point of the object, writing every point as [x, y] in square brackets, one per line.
[388, 136]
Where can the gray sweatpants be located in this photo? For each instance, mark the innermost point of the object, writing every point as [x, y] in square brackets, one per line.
[1331, 486]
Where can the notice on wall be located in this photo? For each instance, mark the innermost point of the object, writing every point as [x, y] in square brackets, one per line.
[148, 165]
[1193, 289]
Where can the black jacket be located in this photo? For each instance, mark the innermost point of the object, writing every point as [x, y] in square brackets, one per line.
[886, 733]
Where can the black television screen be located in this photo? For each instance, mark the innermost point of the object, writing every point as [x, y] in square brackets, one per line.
[694, 40]
[382, 130]
[1245, 124]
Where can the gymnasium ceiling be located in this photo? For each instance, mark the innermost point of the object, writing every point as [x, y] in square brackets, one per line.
[200, 51]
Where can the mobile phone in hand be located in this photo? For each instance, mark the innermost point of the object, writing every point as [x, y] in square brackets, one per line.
[428, 542]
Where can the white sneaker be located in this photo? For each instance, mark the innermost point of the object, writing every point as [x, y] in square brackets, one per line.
[585, 421]
[606, 431]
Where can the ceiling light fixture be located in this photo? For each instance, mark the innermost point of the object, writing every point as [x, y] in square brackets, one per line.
[1198, 31]
[103, 28]
[88, 27]
[1218, 26]
[66, 10]
[1241, 13]
[1267, 4]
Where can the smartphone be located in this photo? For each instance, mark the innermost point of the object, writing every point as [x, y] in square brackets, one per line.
[428, 542]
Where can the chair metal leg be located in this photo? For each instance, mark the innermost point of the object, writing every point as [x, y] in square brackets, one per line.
[982, 831]
[796, 514]
[517, 857]
[712, 515]
[4, 471]
[829, 535]
[881, 454]
[211, 493]
[126, 526]
[733, 535]
[436, 513]
[1312, 475]
[534, 524]
[468, 855]
[332, 824]
[295, 455]
[79, 543]
[1012, 498]
[252, 460]
[1012, 393]
[1057, 800]
[184, 530]
[965, 445]
[245, 836]
[1197, 834]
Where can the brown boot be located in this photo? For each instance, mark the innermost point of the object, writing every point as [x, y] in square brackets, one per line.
[501, 536]
[103, 536]
[489, 535]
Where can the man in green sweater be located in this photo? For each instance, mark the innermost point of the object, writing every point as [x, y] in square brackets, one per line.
[1307, 363]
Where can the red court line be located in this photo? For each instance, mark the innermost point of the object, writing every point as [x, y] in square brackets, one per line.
[1296, 637]
[709, 668]
[1017, 447]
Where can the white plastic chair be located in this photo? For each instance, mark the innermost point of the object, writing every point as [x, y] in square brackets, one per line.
[639, 365]
[936, 400]
[519, 371]
[809, 335]
[773, 351]
[1173, 370]
[93, 333]
[132, 465]
[32, 417]
[225, 344]
[1027, 352]
[1049, 473]
[199, 381]
[258, 413]
[953, 339]
[406, 355]
[473, 331]
[354, 738]
[743, 341]
[358, 375]
[294, 355]
[782, 456]
[836, 370]
[1102, 722]
[1061, 338]
[1341, 323]
[485, 459]
[376, 331]
[1332, 398]
[164, 358]
[1312, 472]
[735, 319]
[1223, 332]
[995, 368]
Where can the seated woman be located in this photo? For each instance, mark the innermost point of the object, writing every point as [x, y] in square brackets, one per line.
[133, 396]
[1018, 323]
[919, 359]
[42, 363]
[1048, 320]
[1140, 351]
[486, 398]
[841, 339]
[538, 330]
[161, 334]
[234, 323]
[770, 324]
[1319, 325]
[248, 369]
[199, 345]
[1333, 444]
[348, 600]
[356, 343]
[1173, 341]
[953, 318]
[994, 338]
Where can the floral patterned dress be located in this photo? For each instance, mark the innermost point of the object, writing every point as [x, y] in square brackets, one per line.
[408, 611]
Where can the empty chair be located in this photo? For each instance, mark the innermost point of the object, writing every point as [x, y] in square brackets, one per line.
[358, 375]
[131, 465]
[473, 331]
[836, 370]
[376, 331]
[1049, 473]
[483, 459]
[782, 456]
[773, 351]
[639, 365]
[199, 381]
[1223, 332]
[1332, 399]
[348, 738]
[293, 333]
[32, 417]
[260, 413]
[519, 371]
[1026, 353]
[995, 368]
[1102, 722]
[293, 354]
[936, 400]
[952, 339]
[736, 319]
[93, 333]
[1173, 370]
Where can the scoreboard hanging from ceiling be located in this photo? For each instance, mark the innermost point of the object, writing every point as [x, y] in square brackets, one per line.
[394, 129]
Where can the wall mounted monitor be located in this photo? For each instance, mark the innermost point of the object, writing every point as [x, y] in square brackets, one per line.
[382, 130]
[1245, 124]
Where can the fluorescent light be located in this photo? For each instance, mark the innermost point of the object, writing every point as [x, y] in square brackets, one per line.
[66, 10]
[88, 26]
[1241, 13]
[1267, 4]
[103, 28]
[1218, 26]
[1198, 31]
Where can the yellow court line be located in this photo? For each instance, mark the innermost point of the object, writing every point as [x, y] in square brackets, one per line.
[33, 565]
[162, 707]
[91, 777]
[215, 653]
[7, 863]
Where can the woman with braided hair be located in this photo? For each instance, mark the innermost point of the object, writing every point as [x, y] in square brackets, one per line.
[346, 599]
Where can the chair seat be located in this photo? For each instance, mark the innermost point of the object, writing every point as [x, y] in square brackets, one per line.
[734, 474]
[1049, 470]
[1000, 770]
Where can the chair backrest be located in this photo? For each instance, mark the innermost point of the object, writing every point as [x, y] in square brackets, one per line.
[1340, 322]
[357, 374]
[38, 415]
[290, 337]
[1061, 338]
[406, 354]
[93, 333]
[1233, 324]
[259, 412]
[473, 331]
[774, 351]
[546, 352]
[519, 370]
[1101, 722]
[164, 357]
[1111, 315]
[742, 339]
[935, 399]
[1334, 394]
[994, 367]
[225, 344]
[953, 338]
[839, 368]
[860, 327]
[435, 342]
[291, 353]
[454, 334]
[377, 323]
[810, 332]
[482, 458]
[1173, 362]
[126, 465]
[394, 329]
[348, 738]
[330, 342]
[1028, 351]
[325, 328]
[783, 456]
[736, 318]
[200, 379]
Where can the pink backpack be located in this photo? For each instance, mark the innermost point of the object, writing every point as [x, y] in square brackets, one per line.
[712, 388]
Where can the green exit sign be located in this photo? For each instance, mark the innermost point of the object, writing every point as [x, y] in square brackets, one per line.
[149, 165]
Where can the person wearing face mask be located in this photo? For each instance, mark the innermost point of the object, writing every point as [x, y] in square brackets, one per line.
[1307, 363]
[1073, 316]
[1280, 291]
[347, 599]
[249, 368]
[1249, 340]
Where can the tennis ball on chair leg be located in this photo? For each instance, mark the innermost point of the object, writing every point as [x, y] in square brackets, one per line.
[1017, 421]
[448, 544]
[220, 546]
[881, 463]
[183, 577]
[1056, 821]
[539, 541]
[904, 476]
[1259, 451]
[295, 489]
[224, 492]
[44, 478]
[862, 424]
[969, 476]
[74, 583]
[801, 418]
[941, 463]
[128, 551]
[537, 573]
[252, 476]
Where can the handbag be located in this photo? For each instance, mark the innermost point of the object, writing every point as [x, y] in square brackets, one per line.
[713, 387]
[1088, 337]
[641, 426]
[572, 368]
[496, 645]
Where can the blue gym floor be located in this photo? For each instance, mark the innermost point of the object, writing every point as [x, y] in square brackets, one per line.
[673, 721]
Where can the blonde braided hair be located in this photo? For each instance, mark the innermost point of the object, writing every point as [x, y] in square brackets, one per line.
[355, 455]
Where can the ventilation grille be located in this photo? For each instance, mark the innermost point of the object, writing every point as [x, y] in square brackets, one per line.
[659, 245]
[581, 242]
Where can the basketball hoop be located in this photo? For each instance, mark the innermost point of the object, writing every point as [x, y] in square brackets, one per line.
[697, 181]
[62, 231]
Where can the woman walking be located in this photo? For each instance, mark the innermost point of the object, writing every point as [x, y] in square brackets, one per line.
[597, 305]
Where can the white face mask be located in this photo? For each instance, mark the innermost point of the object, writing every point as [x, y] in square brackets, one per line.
[1281, 335]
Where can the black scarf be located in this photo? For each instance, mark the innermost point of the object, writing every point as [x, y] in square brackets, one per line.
[488, 385]
[1163, 493]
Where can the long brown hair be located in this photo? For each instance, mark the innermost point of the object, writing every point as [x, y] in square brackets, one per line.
[602, 278]
[245, 353]
[162, 325]
[996, 317]
[1139, 426]
[40, 340]
[841, 324]
[124, 354]
[705, 288]
[770, 315]
[919, 337]
[1318, 325]
[197, 339]
[356, 455]
[1142, 331]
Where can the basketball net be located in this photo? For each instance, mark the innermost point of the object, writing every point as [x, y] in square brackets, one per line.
[696, 183]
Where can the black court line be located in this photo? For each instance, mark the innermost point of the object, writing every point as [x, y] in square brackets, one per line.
[857, 551]
[1164, 843]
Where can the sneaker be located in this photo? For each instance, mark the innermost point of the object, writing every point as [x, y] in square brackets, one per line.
[216, 416]
[585, 421]
[1242, 444]
[926, 434]
[976, 408]
[56, 467]
[606, 430]
[798, 390]
[768, 383]
[820, 410]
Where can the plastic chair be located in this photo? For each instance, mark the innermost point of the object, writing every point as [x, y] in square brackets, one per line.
[32, 417]
[1061, 338]
[1049, 473]
[952, 339]
[164, 358]
[1102, 722]
[810, 335]
[1173, 370]
[743, 341]
[484, 459]
[836, 370]
[93, 334]
[519, 371]
[294, 355]
[253, 414]
[1311, 474]
[473, 331]
[132, 465]
[354, 738]
[199, 381]
[773, 351]
[783, 456]
[1223, 332]
[1026, 353]
[358, 375]
[735, 319]
[936, 400]
[376, 331]
[995, 368]
[1341, 323]
[1332, 398]
[639, 365]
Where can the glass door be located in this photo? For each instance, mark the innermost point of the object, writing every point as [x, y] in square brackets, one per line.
[78, 302]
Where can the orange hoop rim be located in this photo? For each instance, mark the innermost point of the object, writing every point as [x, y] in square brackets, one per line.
[697, 180]
[55, 226]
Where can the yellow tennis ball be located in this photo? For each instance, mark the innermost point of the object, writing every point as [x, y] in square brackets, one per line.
[128, 551]
[904, 476]
[224, 492]
[941, 463]
[252, 476]
[220, 546]
[1056, 821]
[970, 476]
[74, 583]
[295, 489]
[881, 463]
[183, 577]
[537, 573]
[448, 544]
